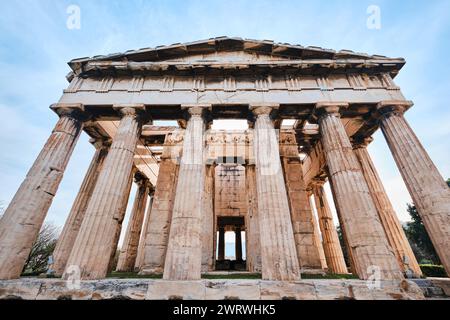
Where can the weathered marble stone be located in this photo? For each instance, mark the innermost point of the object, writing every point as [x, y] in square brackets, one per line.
[22, 220]
[365, 234]
[98, 234]
[73, 223]
[278, 253]
[428, 189]
[129, 250]
[331, 245]
[140, 289]
[388, 218]
[184, 250]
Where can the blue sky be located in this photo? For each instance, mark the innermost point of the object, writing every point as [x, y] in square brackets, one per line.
[35, 45]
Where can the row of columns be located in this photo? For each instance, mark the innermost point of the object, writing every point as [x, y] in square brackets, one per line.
[359, 209]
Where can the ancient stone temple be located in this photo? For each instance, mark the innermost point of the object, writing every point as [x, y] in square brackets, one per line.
[311, 113]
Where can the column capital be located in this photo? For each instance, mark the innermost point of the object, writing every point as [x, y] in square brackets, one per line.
[202, 110]
[360, 142]
[102, 142]
[390, 107]
[263, 108]
[75, 110]
[139, 178]
[130, 110]
[318, 181]
[323, 108]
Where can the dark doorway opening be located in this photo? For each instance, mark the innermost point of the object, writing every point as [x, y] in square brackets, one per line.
[229, 258]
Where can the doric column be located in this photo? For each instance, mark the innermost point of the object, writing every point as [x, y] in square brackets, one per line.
[208, 220]
[22, 220]
[141, 247]
[428, 189]
[253, 243]
[278, 251]
[221, 253]
[370, 249]
[184, 251]
[391, 225]
[299, 204]
[318, 239]
[330, 240]
[160, 214]
[238, 243]
[97, 237]
[128, 252]
[73, 223]
[121, 213]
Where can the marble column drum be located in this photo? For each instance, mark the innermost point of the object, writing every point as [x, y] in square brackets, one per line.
[120, 213]
[96, 239]
[221, 245]
[371, 251]
[253, 238]
[159, 218]
[22, 220]
[184, 250]
[330, 240]
[278, 252]
[427, 188]
[391, 225]
[129, 250]
[302, 217]
[238, 244]
[141, 247]
[208, 220]
[73, 223]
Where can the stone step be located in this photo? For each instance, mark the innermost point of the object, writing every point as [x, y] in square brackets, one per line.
[434, 287]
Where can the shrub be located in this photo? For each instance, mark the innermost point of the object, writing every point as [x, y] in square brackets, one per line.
[432, 270]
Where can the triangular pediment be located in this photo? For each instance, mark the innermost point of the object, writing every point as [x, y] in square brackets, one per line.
[230, 57]
[234, 51]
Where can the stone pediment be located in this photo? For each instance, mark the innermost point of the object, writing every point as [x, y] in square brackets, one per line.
[232, 53]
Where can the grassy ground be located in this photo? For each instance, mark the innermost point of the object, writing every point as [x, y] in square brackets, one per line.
[242, 276]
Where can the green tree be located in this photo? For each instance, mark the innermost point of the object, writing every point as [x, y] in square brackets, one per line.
[343, 245]
[419, 239]
[41, 250]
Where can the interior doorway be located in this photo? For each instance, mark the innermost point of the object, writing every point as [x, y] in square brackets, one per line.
[230, 251]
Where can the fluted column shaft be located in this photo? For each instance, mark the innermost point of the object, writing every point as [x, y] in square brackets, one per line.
[208, 220]
[330, 239]
[159, 218]
[426, 186]
[121, 213]
[253, 242]
[318, 239]
[394, 231]
[97, 237]
[278, 251]
[365, 233]
[238, 244]
[184, 251]
[73, 223]
[22, 220]
[129, 250]
[221, 254]
[301, 214]
[141, 247]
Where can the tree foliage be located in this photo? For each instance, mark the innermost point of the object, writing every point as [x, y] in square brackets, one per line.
[418, 237]
[41, 250]
[343, 245]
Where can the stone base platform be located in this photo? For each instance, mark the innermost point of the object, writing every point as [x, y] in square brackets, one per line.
[149, 289]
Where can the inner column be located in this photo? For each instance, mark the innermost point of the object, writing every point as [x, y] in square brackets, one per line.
[370, 249]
